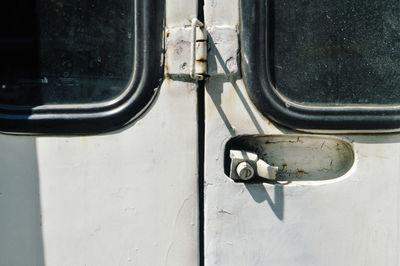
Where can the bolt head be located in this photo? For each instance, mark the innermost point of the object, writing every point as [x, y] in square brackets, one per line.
[245, 171]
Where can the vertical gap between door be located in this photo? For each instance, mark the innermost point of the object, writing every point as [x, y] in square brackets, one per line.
[201, 132]
[201, 137]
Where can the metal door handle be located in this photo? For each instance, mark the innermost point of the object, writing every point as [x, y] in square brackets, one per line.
[246, 165]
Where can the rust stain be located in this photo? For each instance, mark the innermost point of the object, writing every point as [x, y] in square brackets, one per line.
[380, 156]
[84, 140]
[301, 172]
[168, 33]
[284, 141]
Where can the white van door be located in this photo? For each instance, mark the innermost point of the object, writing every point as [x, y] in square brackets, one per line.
[101, 166]
[298, 167]
[117, 152]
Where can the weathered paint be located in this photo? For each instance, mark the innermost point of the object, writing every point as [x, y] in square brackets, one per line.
[300, 159]
[350, 220]
[124, 198]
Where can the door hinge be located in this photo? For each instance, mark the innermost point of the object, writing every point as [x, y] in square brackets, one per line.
[196, 52]
[199, 48]
[186, 51]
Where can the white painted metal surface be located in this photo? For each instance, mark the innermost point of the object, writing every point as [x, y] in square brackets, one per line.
[124, 198]
[131, 198]
[351, 220]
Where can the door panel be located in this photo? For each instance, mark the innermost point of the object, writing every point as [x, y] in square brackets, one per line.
[350, 220]
[128, 197]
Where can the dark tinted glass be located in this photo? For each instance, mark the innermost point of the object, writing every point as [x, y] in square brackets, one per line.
[335, 52]
[65, 51]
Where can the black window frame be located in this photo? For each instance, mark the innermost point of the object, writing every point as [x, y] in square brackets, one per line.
[78, 119]
[256, 75]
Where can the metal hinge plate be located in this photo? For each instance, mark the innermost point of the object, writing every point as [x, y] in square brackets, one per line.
[198, 52]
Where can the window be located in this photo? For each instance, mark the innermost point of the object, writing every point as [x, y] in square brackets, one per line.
[329, 65]
[77, 66]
